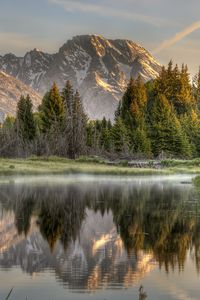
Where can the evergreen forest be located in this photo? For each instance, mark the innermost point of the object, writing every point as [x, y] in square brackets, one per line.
[159, 118]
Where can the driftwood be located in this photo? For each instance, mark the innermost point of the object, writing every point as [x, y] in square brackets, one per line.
[145, 164]
[138, 164]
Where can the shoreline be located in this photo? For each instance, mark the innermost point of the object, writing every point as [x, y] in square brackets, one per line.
[56, 166]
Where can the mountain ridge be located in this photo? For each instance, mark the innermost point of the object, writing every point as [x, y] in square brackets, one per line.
[98, 67]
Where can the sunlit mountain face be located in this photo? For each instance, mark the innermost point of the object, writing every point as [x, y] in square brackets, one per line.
[99, 68]
[94, 234]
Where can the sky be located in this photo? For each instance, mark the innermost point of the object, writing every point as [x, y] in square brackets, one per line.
[169, 29]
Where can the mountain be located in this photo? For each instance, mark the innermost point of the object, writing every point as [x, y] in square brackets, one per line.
[96, 260]
[10, 91]
[100, 68]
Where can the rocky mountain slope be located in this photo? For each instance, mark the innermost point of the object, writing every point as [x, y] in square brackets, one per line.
[98, 67]
[10, 91]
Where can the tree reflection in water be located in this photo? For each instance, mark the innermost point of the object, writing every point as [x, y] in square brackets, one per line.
[160, 219]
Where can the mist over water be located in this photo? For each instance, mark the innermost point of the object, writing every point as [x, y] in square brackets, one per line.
[93, 237]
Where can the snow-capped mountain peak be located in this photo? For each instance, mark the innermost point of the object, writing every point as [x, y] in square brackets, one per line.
[100, 68]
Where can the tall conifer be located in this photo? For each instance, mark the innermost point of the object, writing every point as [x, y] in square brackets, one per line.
[52, 110]
[165, 130]
[25, 121]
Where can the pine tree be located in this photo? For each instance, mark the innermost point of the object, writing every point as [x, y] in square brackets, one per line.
[142, 142]
[8, 138]
[164, 84]
[105, 135]
[184, 100]
[38, 123]
[134, 105]
[120, 137]
[127, 99]
[165, 130]
[68, 97]
[196, 90]
[191, 125]
[52, 110]
[90, 135]
[139, 109]
[97, 146]
[75, 122]
[25, 124]
[175, 85]
[68, 100]
[79, 133]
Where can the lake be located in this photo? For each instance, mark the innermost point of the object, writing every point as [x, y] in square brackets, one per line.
[93, 237]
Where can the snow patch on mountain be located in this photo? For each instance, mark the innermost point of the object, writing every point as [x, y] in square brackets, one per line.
[100, 68]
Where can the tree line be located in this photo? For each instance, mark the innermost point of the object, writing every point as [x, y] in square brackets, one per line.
[157, 118]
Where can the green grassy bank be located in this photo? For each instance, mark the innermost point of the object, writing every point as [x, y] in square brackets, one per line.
[54, 165]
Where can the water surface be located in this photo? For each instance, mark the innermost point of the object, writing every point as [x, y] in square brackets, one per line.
[94, 237]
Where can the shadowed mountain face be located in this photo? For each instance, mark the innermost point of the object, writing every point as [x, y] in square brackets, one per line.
[11, 90]
[98, 67]
[98, 234]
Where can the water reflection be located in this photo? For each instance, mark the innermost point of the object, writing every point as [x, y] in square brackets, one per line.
[99, 234]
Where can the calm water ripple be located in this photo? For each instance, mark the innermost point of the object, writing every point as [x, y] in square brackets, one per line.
[86, 237]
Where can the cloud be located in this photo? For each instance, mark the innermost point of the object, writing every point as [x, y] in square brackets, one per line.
[105, 9]
[177, 37]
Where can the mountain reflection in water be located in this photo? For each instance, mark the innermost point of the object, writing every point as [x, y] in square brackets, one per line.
[96, 235]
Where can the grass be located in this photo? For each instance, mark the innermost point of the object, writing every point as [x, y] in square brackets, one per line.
[64, 166]
[97, 166]
[181, 163]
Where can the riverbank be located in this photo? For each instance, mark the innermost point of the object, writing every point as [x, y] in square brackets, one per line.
[55, 165]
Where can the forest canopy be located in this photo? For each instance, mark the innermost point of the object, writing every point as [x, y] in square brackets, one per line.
[159, 118]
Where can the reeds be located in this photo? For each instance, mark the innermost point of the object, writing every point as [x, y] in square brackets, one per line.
[9, 294]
